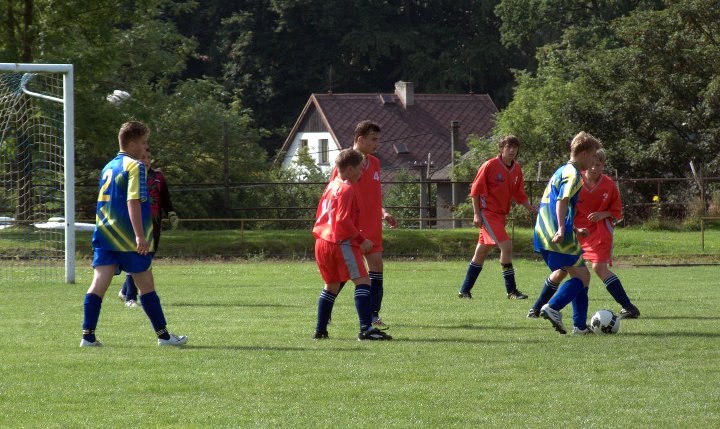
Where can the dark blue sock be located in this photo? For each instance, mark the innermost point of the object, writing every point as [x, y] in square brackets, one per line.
[566, 293]
[376, 292]
[325, 306]
[471, 276]
[613, 285]
[580, 309]
[363, 306]
[547, 292]
[129, 288]
[92, 305]
[508, 273]
[154, 311]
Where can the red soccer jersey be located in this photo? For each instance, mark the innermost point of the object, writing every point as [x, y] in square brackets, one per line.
[604, 196]
[498, 185]
[338, 214]
[370, 194]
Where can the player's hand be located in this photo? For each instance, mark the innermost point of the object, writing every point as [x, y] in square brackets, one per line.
[366, 245]
[477, 221]
[597, 216]
[142, 245]
[174, 220]
[582, 232]
[559, 236]
[390, 219]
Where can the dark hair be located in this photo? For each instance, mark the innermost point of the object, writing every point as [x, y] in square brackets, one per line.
[366, 127]
[510, 140]
[130, 131]
[348, 158]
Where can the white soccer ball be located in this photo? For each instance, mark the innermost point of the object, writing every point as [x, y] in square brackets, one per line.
[118, 97]
[605, 322]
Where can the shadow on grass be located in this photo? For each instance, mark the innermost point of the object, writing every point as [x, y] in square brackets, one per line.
[270, 348]
[540, 327]
[459, 340]
[679, 318]
[672, 334]
[227, 304]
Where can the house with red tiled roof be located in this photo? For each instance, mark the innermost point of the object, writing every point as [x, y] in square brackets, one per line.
[412, 126]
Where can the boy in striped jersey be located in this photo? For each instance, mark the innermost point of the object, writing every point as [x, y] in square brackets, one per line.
[123, 236]
[555, 238]
[339, 246]
[598, 207]
[498, 182]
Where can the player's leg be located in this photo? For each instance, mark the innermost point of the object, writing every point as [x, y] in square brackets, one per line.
[102, 277]
[575, 266]
[616, 290]
[508, 271]
[375, 272]
[474, 268]
[145, 282]
[326, 301]
[363, 306]
[130, 291]
[547, 292]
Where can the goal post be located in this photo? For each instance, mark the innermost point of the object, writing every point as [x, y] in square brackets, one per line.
[52, 95]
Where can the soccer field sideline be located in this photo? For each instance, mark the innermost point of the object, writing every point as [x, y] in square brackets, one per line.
[250, 361]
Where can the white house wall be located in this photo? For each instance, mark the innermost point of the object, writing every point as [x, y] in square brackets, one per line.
[313, 140]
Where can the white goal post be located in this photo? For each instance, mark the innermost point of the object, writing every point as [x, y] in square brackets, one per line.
[68, 139]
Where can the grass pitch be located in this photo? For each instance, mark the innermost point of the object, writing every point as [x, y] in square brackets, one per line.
[250, 361]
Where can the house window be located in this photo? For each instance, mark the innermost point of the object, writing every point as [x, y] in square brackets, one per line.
[303, 144]
[323, 151]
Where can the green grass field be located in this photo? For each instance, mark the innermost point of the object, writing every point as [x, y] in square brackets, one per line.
[250, 361]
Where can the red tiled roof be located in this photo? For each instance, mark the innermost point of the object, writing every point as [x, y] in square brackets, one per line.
[424, 127]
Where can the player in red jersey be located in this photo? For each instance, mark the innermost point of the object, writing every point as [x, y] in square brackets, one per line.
[598, 208]
[367, 141]
[339, 246]
[498, 182]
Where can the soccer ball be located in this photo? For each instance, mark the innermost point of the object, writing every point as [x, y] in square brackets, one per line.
[605, 322]
[118, 97]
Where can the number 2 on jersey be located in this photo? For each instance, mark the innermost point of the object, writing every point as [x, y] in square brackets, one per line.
[106, 179]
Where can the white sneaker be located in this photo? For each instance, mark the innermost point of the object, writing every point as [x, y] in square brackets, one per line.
[131, 304]
[121, 296]
[578, 331]
[86, 343]
[554, 316]
[173, 341]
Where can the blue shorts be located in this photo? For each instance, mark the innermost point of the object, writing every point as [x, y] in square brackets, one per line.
[557, 261]
[130, 262]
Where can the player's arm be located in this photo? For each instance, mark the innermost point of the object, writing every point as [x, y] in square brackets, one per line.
[387, 217]
[477, 221]
[520, 196]
[135, 212]
[561, 209]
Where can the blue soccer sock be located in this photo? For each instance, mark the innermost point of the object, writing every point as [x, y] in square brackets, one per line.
[325, 306]
[508, 273]
[547, 292]
[580, 309]
[471, 276]
[376, 292]
[129, 289]
[566, 293]
[613, 285]
[154, 311]
[91, 305]
[363, 306]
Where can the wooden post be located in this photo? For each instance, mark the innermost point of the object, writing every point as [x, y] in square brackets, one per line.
[454, 136]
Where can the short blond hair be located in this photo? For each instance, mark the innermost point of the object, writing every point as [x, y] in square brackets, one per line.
[584, 142]
[601, 155]
[131, 130]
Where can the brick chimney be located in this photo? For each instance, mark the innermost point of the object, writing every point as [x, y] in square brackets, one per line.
[406, 92]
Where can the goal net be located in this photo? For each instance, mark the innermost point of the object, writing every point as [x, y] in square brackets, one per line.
[37, 204]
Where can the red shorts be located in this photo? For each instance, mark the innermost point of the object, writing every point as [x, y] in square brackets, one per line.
[596, 248]
[492, 230]
[339, 262]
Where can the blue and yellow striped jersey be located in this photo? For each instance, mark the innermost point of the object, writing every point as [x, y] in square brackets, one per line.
[123, 179]
[565, 183]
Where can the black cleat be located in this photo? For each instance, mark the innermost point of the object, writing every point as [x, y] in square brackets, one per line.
[462, 295]
[516, 294]
[631, 312]
[319, 335]
[373, 334]
[533, 314]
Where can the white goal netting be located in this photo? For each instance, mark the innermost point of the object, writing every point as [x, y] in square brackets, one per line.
[33, 238]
